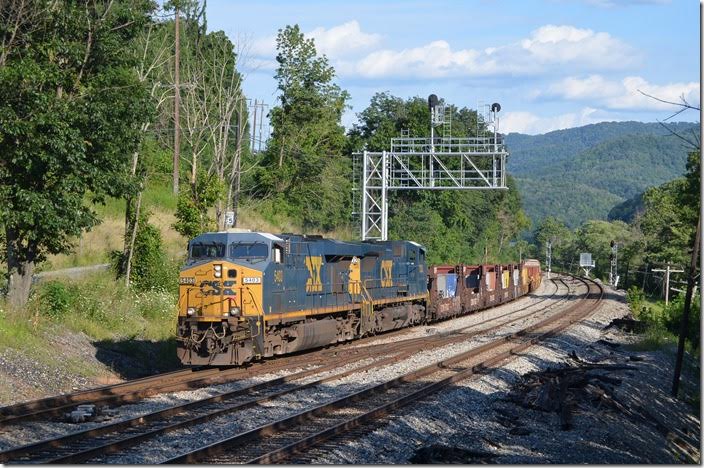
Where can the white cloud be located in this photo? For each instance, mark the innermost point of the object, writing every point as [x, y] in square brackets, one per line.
[526, 122]
[624, 94]
[338, 41]
[264, 47]
[547, 47]
[342, 40]
[633, 99]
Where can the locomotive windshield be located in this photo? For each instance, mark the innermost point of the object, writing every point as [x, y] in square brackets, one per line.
[249, 250]
[207, 250]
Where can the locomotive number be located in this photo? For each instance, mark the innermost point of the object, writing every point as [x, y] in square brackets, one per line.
[187, 280]
[251, 280]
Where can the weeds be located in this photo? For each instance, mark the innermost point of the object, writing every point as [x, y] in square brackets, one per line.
[104, 308]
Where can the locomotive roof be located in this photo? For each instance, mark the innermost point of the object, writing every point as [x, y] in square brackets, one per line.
[226, 237]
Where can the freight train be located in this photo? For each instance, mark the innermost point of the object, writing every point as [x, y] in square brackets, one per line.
[245, 296]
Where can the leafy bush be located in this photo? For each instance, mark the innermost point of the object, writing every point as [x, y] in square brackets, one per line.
[149, 264]
[151, 268]
[635, 297]
[672, 318]
[192, 207]
[57, 299]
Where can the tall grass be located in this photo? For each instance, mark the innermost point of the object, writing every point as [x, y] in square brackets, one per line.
[105, 309]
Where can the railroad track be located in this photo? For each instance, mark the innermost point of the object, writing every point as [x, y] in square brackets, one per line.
[116, 437]
[139, 389]
[280, 440]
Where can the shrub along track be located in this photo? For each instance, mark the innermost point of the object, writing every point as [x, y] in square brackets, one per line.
[110, 438]
[282, 439]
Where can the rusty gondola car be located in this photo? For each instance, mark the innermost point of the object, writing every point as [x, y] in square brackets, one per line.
[456, 290]
[245, 296]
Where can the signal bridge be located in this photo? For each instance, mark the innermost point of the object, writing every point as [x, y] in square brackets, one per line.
[435, 163]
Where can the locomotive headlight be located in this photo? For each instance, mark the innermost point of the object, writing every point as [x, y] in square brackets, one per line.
[190, 311]
[234, 311]
[217, 270]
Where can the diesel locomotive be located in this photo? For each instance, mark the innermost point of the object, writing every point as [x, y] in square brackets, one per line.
[244, 296]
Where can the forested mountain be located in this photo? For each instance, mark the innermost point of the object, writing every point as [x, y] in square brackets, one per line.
[582, 173]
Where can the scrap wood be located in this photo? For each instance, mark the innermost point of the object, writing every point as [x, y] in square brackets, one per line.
[563, 390]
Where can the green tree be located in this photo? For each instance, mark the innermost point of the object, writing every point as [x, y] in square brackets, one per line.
[668, 223]
[303, 172]
[192, 209]
[555, 231]
[596, 236]
[71, 108]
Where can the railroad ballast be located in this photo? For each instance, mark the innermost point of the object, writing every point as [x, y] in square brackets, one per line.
[246, 295]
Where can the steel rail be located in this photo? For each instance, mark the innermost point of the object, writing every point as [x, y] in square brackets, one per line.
[578, 312]
[138, 389]
[402, 350]
[256, 435]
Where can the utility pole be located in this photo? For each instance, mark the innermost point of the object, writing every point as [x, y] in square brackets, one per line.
[254, 126]
[667, 272]
[261, 123]
[548, 249]
[177, 104]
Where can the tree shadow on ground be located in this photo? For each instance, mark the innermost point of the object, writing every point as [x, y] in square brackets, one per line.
[134, 358]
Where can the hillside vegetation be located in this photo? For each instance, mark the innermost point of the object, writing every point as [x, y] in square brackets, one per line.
[582, 173]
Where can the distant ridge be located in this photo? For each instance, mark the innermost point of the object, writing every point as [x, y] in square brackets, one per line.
[581, 173]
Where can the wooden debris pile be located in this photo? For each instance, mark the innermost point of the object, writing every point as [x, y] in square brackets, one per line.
[628, 324]
[564, 391]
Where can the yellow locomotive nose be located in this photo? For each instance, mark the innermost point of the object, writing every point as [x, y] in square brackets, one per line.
[209, 291]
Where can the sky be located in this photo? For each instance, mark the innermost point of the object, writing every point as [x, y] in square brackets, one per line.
[551, 64]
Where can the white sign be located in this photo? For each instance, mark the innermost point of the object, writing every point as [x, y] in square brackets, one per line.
[585, 260]
[251, 280]
[229, 218]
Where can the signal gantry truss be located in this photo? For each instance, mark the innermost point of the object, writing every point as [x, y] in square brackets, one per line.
[444, 163]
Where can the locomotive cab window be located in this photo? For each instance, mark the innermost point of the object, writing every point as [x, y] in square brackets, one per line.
[278, 254]
[249, 251]
[207, 250]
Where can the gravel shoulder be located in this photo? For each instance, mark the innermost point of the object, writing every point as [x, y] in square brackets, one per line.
[72, 365]
[475, 422]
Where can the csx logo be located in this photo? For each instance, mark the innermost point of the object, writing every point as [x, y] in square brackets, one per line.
[313, 283]
[386, 280]
[215, 288]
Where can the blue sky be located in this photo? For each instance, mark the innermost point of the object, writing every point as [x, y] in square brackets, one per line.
[551, 64]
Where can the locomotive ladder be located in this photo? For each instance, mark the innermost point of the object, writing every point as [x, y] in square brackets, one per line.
[367, 310]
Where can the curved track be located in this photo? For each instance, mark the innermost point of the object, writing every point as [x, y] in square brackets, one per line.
[117, 437]
[138, 389]
[284, 438]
